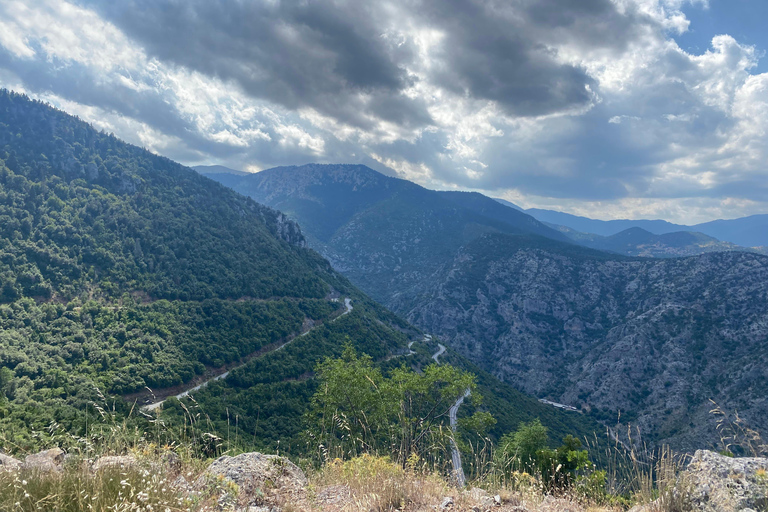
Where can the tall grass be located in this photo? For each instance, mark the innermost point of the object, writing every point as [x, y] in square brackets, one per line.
[78, 489]
[736, 436]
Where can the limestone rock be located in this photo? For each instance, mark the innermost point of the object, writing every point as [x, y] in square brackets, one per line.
[716, 483]
[256, 474]
[722, 483]
[120, 461]
[8, 463]
[47, 460]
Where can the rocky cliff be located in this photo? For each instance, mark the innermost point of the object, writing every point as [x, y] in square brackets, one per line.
[652, 340]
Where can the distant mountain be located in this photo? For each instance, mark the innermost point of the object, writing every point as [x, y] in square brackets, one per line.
[639, 242]
[747, 232]
[217, 169]
[385, 233]
[647, 340]
[604, 227]
[510, 204]
[124, 275]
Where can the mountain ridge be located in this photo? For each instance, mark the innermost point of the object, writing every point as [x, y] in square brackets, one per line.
[750, 231]
[540, 311]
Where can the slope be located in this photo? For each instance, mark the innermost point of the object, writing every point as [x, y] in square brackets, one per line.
[125, 274]
[384, 233]
[654, 340]
[646, 339]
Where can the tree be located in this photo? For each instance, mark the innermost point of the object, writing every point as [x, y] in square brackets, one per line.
[358, 410]
[352, 406]
[518, 450]
[526, 450]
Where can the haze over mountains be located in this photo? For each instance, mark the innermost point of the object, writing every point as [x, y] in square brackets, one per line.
[749, 231]
[651, 339]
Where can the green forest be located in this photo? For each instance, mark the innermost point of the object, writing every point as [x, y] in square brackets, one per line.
[123, 274]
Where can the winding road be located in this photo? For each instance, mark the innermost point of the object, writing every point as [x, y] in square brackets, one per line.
[440, 351]
[151, 407]
[458, 471]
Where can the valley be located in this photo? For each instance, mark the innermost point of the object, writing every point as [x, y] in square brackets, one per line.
[637, 342]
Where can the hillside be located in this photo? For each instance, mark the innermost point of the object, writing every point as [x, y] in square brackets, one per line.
[648, 340]
[384, 233]
[126, 275]
[652, 339]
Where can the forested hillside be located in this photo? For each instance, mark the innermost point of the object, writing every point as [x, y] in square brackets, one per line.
[126, 275]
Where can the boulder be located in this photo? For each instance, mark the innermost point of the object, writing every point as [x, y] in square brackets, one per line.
[47, 460]
[715, 483]
[257, 476]
[114, 461]
[8, 463]
[720, 483]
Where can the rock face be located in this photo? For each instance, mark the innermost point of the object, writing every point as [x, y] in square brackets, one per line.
[8, 463]
[723, 483]
[114, 461]
[654, 339]
[47, 460]
[384, 233]
[715, 483]
[256, 475]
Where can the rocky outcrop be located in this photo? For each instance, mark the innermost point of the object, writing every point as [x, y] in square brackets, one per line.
[8, 463]
[257, 476]
[722, 483]
[654, 339]
[115, 461]
[715, 483]
[47, 460]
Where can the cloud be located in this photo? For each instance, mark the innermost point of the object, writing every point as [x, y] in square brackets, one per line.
[583, 104]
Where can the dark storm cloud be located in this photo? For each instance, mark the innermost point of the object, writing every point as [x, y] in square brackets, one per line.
[336, 56]
[490, 54]
[297, 54]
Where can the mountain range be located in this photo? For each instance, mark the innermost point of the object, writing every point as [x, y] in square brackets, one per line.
[649, 341]
[338, 206]
[749, 231]
[126, 278]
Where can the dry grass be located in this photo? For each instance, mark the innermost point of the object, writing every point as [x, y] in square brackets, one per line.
[378, 484]
[77, 489]
[368, 483]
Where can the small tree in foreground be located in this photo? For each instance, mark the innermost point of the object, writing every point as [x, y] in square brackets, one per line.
[358, 410]
[526, 450]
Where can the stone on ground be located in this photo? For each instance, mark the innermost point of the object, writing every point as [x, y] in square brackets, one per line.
[8, 463]
[258, 476]
[47, 460]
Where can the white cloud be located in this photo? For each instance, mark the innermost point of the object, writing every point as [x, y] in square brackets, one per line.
[655, 127]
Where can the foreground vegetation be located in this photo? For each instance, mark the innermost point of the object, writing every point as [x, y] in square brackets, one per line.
[381, 443]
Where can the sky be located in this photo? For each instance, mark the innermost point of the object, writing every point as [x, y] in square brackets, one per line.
[603, 108]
